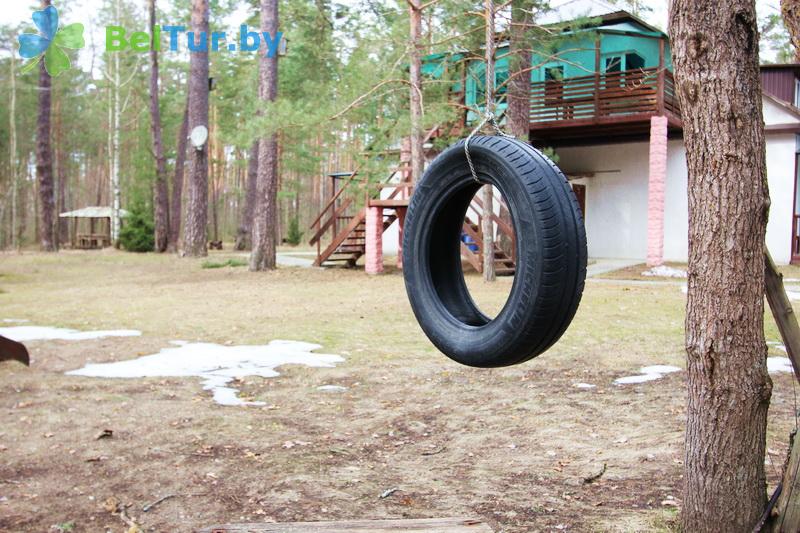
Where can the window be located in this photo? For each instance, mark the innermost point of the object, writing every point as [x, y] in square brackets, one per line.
[633, 61]
[555, 73]
[797, 92]
[614, 64]
[553, 85]
[620, 62]
[500, 77]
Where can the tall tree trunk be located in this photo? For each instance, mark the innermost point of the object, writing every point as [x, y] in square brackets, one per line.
[790, 9]
[194, 240]
[115, 191]
[177, 183]
[216, 172]
[44, 161]
[244, 237]
[62, 173]
[161, 200]
[486, 191]
[12, 149]
[519, 84]
[415, 78]
[715, 51]
[262, 257]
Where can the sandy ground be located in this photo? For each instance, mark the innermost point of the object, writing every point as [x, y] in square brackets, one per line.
[514, 446]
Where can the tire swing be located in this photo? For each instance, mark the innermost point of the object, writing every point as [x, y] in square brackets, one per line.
[550, 251]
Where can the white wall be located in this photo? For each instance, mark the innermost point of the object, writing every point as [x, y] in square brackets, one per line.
[616, 196]
[780, 175]
[616, 202]
[676, 204]
[391, 238]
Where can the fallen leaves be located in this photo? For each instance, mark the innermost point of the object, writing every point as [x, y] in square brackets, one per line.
[113, 506]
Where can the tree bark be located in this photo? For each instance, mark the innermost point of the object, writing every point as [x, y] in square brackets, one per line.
[790, 9]
[715, 51]
[194, 240]
[176, 206]
[161, 200]
[519, 84]
[12, 148]
[114, 132]
[244, 237]
[487, 232]
[486, 191]
[415, 78]
[262, 257]
[44, 161]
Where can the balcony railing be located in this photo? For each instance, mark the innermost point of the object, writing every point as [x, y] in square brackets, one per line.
[603, 98]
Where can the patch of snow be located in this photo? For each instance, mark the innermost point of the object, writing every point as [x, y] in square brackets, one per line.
[627, 380]
[685, 289]
[35, 333]
[584, 385]
[779, 364]
[659, 369]
[179, 343]
[648, 373]
[793, 295]
[777, 345]
[331, 388]
[663, 271]
[218, 365]
[15, 320]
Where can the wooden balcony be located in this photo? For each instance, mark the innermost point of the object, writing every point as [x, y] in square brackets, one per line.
[610, 106]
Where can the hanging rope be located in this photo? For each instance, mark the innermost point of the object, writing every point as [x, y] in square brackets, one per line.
[488, 115]
[488, 118]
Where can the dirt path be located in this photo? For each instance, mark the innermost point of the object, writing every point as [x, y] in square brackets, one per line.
[514, 446]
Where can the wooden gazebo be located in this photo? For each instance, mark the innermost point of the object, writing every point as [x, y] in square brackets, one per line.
[87, 235]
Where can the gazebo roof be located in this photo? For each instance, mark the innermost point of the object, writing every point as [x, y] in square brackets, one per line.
[92, 212]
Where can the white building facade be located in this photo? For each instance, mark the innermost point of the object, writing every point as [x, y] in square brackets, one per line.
[616, 191]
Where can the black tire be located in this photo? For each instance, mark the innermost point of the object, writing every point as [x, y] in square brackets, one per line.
[551, 253]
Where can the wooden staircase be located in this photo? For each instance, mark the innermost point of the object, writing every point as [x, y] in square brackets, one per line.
[504, 264]
[349, 244]
[348, 230]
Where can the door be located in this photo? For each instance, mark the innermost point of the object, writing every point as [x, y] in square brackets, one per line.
[580, 195]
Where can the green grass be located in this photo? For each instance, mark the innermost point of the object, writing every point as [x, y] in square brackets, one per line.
[223, 264]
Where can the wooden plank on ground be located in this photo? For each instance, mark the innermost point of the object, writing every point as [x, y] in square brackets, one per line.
[788, 505]
[782, 312]
[424, 525]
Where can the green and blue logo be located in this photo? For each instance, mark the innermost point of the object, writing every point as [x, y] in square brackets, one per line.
[50, 43]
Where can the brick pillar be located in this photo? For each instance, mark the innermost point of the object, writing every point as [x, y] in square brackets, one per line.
[401, 218]
[374, 241]
[655, 191]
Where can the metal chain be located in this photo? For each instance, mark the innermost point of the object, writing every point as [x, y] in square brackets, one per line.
[488, 118]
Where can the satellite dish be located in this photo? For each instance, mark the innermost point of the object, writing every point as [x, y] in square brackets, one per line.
[199, 136]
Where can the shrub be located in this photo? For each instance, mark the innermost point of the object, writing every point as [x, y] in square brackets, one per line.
[293, 233]
[136, 234]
